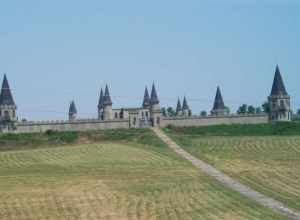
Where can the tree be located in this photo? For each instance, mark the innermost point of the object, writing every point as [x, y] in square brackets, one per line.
[203, 114]
[266, 107]
[251, 109]
[227, 109]
[258, 110]
[298, 112]
[242, 109]
[171, 112]
[164, 111]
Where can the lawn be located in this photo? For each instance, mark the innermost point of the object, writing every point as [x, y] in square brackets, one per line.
[113, 175]
[267, 163]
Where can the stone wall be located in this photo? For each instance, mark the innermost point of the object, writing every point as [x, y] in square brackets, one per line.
[95, 124]
[214, 120]
[79, 125]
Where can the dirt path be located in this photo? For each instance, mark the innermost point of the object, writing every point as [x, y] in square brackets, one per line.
[228, 181]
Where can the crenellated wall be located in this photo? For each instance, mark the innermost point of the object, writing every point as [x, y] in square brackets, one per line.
[95, 124]
[214, 120]
[79, 125]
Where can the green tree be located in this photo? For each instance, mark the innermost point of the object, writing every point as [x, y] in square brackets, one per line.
[298, 112]
[258, 110]
[266, 107]
[203, 113]
[242, 109]
[227, 109]
[251, 109]
[171, 112]
[163, 111]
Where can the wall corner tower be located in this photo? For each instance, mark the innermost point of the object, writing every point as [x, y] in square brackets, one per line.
[8, 107]
[279, 100]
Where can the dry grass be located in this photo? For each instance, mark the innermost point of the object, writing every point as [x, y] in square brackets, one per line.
[267, 164]
[114, 181]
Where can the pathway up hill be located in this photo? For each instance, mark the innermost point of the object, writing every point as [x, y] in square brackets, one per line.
[265, 158]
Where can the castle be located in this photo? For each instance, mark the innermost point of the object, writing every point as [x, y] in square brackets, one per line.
[148, 115]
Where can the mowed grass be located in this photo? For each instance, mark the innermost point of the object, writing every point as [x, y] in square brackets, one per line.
[137, 177]
[268, 164]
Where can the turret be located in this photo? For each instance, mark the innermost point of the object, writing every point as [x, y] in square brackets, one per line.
[219, 106]
[155, 108]
[146, 101]
[107, 105]
[100, 105]
[178, 108]
[72, 112]
[8, 107]
[185, 108]
[279, 100]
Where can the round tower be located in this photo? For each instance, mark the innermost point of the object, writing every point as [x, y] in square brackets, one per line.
[219, 106]
[8, 107]
[155, 110]
[100, 105]
[279, 100]
[185, 108]
[178, 108]
[107, 105]
[72, 112]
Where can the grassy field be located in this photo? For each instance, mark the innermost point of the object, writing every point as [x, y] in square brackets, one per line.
[121, 175]
[269, 164]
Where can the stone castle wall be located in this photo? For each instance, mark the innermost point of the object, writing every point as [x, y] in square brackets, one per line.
[93, 124]
[215, 120]
[79, 125]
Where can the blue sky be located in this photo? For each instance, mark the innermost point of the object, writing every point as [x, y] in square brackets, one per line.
[55, 51]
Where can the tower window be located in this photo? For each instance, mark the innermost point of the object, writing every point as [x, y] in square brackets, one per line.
[116, 114]
[134, 121]
[282, 103]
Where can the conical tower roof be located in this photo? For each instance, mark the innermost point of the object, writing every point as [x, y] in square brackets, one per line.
[6, 97]
[219, 103]
[72, 109]
[278, 87]
[154, 97]
[106, 99]
[178, 107]
[101, 98]
[146, 101]
[185, 105]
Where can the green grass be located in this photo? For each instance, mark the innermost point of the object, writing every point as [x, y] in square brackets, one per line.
[268, 164]
[54, 139]
[279, 128]
[122, 175]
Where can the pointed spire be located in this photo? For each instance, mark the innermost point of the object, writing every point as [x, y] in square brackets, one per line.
[101, 97]
[72, 109]
[154, 98]
[219, 103]
[185, 106]
[178, 107]
[278, 87]
[6, 97]
[146, 101]
[106, 99]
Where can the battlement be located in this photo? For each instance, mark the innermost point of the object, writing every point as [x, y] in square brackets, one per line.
[78, 125]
